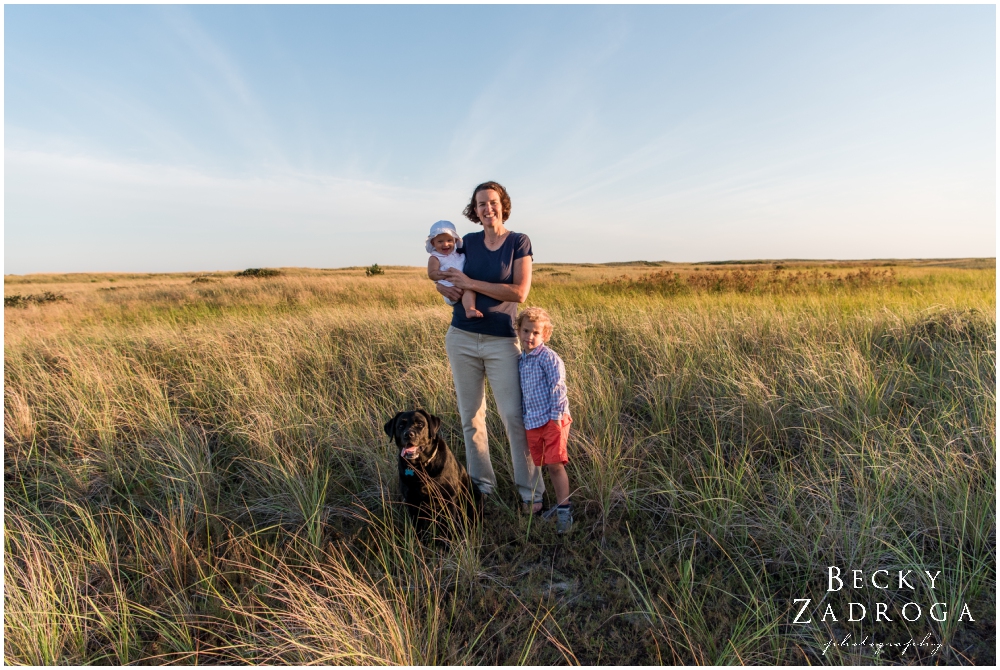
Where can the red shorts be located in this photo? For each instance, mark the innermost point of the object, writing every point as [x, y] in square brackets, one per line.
[548, 443]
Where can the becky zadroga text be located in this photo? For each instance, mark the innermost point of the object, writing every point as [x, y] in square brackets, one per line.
[882, 580]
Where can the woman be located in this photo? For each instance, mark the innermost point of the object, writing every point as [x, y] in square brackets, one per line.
[498, 269]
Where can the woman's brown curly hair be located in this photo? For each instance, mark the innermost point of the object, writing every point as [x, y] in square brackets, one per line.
[470, 209]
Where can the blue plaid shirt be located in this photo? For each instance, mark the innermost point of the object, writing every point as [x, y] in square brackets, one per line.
[543, 387]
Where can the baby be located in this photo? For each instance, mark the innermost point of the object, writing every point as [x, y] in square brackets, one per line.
[444, 245]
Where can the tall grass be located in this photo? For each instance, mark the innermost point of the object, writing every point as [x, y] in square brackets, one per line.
[196, 472]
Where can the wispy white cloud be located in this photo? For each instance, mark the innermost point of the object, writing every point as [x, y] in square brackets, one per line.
[224, 87]
[128, 115]
[528, 105]
[78, 213]
[81, 213]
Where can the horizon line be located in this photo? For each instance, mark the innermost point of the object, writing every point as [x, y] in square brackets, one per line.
[756, 261]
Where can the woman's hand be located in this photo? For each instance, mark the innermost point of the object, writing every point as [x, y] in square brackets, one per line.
[450, 292]
[458, 278]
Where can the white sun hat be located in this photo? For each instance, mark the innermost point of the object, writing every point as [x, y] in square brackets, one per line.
[443, 227]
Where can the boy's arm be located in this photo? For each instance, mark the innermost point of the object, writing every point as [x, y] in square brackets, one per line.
[434, 269]
[555, 371]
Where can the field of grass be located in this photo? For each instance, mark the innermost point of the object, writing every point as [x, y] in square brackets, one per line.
[195, 470]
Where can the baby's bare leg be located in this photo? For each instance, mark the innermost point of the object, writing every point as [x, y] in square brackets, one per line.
[469, 303]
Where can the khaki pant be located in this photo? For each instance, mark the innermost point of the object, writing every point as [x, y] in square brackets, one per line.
[473, 359]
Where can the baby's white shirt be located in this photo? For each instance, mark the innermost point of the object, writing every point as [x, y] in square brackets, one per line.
[452, 260]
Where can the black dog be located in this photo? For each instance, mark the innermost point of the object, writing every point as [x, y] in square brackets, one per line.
[431, 479]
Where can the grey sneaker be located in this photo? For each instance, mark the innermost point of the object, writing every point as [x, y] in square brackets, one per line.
[563, 516]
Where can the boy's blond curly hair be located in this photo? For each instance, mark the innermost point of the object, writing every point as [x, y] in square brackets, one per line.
[536, 315]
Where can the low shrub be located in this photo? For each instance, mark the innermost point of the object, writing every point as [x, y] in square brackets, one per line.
[373, 270]
[39, 299]
[257, 272]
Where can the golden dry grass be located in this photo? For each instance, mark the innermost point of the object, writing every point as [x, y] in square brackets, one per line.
[196, 471]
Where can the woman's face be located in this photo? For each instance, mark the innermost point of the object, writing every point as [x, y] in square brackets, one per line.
[488, 208]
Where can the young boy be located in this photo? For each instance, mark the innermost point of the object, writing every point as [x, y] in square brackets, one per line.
[443, 244]
[545, 407]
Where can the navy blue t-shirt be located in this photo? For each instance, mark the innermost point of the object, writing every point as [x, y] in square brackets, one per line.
[495, 267]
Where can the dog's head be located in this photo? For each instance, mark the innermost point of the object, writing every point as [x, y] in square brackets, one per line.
[414, 433]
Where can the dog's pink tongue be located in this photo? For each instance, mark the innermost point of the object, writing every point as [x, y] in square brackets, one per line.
[408, 451]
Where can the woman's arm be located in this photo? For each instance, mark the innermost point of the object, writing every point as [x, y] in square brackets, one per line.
[516, 292]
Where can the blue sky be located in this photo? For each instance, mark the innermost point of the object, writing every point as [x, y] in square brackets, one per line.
[149, 138]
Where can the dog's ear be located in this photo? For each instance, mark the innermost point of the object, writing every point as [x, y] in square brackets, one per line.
[390, 428]
[433, 423]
